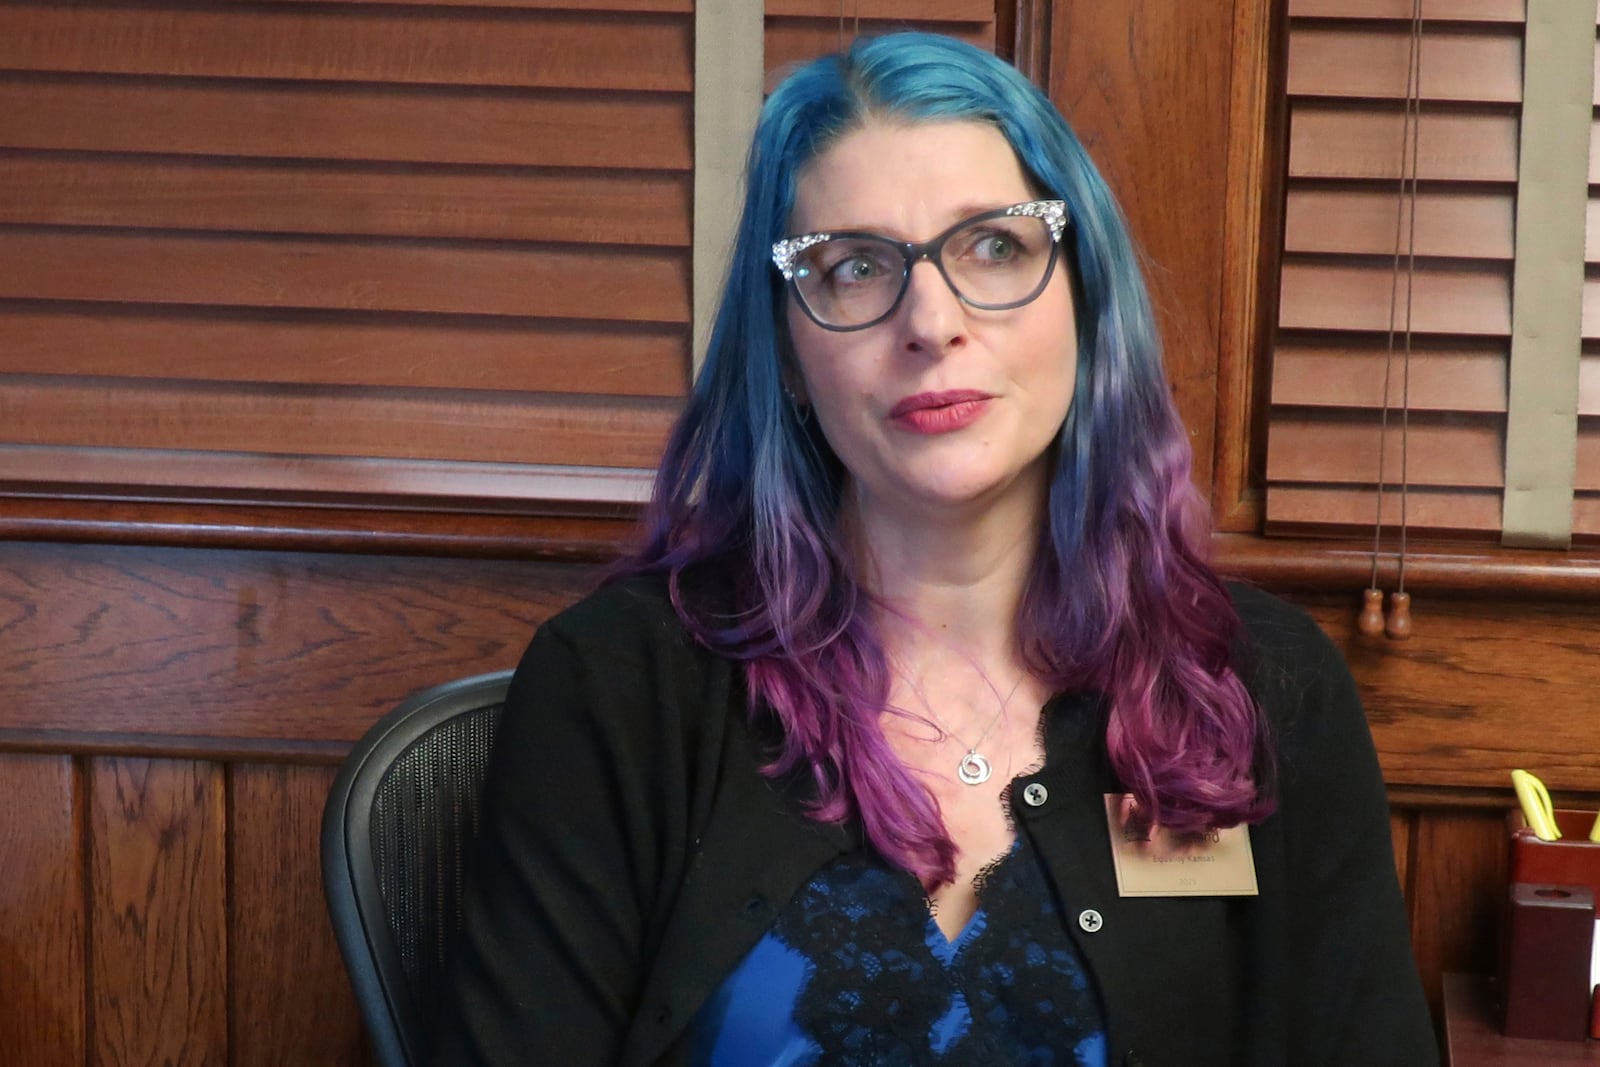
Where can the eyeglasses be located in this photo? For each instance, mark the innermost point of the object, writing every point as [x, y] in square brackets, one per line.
[998, 260]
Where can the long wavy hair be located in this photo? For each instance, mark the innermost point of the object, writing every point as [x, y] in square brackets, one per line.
[1120, 600]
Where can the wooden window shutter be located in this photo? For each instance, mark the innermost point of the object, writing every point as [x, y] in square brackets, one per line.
[410, 254]
[1347, 77]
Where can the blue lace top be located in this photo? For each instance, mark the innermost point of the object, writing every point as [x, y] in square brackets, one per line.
[855, 971]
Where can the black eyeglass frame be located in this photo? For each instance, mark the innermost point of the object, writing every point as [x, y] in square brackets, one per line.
[1052, 212]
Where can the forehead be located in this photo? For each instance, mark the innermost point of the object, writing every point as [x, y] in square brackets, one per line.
[908, 179]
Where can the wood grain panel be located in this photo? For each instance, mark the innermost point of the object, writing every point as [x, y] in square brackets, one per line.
[1327, 141]
[287, 969]
[473, 427]
[1459, 297]
[398, 200]
[297, 651]
[1442, 450]
[1466, 10]
[1458, 881]
[158, 914]
[364, 275]
[1252, 219]
[1341, 374]
[390, 351]
[1134, 81]
[41, 912]
[466, 46]
[1425, 509]
[1365, 221]
[397, 123]
[1479, 688]
[1371, 61]
[1402, 831]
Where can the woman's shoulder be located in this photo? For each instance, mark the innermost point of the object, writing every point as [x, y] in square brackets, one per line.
[636, 609]
[1300, 679]
[626, 637]
[1279, 639]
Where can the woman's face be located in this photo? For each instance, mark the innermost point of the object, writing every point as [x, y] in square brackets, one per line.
[942, 407]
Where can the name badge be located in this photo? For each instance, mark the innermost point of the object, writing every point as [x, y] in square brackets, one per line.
[1154, 862]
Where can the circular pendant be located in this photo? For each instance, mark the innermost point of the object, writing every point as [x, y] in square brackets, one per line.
[974, 769]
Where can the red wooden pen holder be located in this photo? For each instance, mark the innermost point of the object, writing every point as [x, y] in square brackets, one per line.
[1549, 928]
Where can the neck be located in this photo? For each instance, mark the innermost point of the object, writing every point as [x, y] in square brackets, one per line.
[960, 581]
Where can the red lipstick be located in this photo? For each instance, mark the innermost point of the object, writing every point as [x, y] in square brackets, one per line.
[941, 412]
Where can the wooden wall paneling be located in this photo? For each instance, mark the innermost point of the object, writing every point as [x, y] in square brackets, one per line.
[237, 651]
[1479, 688]
[1402, 832]
[1147, 89]
[1458, 881]
[1251, 219]
[42, 912]
[289, 999]
[158, 914]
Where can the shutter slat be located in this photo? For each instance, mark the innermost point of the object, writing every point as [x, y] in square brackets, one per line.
[1329, 294]
[1442, 450]
[381, 200]
[1432, 10]
[1370, 62]
[1338, 142]
[387, 123]
[1363, 220]
[622, 284]
[463, 46]
[403, 424]
[386, 351]
[1345, 375]
[1354, 508]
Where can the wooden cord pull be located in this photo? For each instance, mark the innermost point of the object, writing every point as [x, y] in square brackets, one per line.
[1398, 626]
[1371, 619]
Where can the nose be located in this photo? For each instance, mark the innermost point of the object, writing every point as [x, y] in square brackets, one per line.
[934, 319]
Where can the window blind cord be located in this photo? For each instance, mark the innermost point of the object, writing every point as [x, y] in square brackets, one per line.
[1372, 620]
[856, 30]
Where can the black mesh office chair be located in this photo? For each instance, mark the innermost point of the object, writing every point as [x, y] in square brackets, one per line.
[395, 832]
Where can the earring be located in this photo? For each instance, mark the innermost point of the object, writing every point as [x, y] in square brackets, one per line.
[802, 412]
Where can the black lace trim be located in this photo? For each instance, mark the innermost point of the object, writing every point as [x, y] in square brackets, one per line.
[875, 991]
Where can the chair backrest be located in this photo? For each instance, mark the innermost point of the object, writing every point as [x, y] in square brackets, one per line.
[395, 835]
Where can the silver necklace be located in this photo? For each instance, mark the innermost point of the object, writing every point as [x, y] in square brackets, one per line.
[974, 768]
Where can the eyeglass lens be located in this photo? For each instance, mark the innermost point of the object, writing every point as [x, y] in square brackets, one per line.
[991, 263]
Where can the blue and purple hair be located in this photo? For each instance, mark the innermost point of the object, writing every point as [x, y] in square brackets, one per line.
[1120, 600]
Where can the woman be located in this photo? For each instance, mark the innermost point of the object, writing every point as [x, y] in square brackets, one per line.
[920, 639]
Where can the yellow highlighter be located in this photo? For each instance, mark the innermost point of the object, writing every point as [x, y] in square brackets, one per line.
[1536, 807]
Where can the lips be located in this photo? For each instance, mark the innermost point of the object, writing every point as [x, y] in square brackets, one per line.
[940, 412]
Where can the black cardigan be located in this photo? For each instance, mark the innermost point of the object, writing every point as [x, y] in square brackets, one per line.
[631, 854]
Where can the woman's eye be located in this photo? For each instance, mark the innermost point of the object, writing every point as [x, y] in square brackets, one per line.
[995, 247]
[854, 270]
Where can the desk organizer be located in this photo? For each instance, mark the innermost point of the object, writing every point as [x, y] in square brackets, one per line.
[1549, 929]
